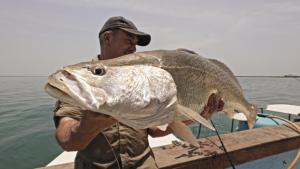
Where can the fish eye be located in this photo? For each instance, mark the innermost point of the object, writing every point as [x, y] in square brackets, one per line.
[99, 71]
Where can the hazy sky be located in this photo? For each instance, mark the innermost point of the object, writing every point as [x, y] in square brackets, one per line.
[254, 37]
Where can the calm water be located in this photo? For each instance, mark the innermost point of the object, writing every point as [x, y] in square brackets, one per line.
[27, 130]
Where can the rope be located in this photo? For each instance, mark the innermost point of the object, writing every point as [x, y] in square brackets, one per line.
[226, 152]
[295, 127]
[116, 158]
[199, 130]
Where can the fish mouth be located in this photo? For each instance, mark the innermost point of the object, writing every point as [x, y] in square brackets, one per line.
[56, 82]
[57, 88]
[59, 94]
[54, 89]
[68, 86]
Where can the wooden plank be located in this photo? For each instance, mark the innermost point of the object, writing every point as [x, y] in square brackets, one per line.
[242, 147]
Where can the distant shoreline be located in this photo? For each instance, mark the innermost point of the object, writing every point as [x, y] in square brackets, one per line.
[273, 76]
[22, 76]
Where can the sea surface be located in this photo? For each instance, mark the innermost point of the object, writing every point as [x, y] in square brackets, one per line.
[27, 129]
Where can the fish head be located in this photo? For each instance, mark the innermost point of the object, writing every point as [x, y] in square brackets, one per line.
[79, 84]
[116, 90]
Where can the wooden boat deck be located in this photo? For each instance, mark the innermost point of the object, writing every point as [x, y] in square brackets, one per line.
[242, 147]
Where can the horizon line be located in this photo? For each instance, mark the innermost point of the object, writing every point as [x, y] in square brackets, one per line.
[284, 76]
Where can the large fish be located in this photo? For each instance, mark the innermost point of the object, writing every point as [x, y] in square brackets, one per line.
[196, 78]
[140, 96]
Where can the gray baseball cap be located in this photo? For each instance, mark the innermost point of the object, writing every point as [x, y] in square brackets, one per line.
[119, 22]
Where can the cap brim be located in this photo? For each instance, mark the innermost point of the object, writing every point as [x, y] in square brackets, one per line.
[143, 38]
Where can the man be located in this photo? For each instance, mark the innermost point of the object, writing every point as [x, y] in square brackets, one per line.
[100, 140]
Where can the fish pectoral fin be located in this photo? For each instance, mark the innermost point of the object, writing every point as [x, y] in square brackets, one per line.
[181, 130]
[163, 127]
[191, 114]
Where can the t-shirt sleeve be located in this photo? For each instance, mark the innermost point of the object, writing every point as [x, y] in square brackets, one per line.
[65, 110]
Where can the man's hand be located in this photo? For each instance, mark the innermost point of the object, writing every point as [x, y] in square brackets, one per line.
[93, 122]
[214, 104]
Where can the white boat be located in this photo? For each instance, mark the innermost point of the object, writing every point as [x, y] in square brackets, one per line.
[281, 160]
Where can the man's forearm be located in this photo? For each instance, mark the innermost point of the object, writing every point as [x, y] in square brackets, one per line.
[74, 135]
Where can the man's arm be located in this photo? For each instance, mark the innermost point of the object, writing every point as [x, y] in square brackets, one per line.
[214, 104]
[73, 135]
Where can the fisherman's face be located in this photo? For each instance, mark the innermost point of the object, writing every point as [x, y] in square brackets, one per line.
[122, 43]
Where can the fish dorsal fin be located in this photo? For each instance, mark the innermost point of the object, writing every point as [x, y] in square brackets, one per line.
[184, 132]
[191, 114]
